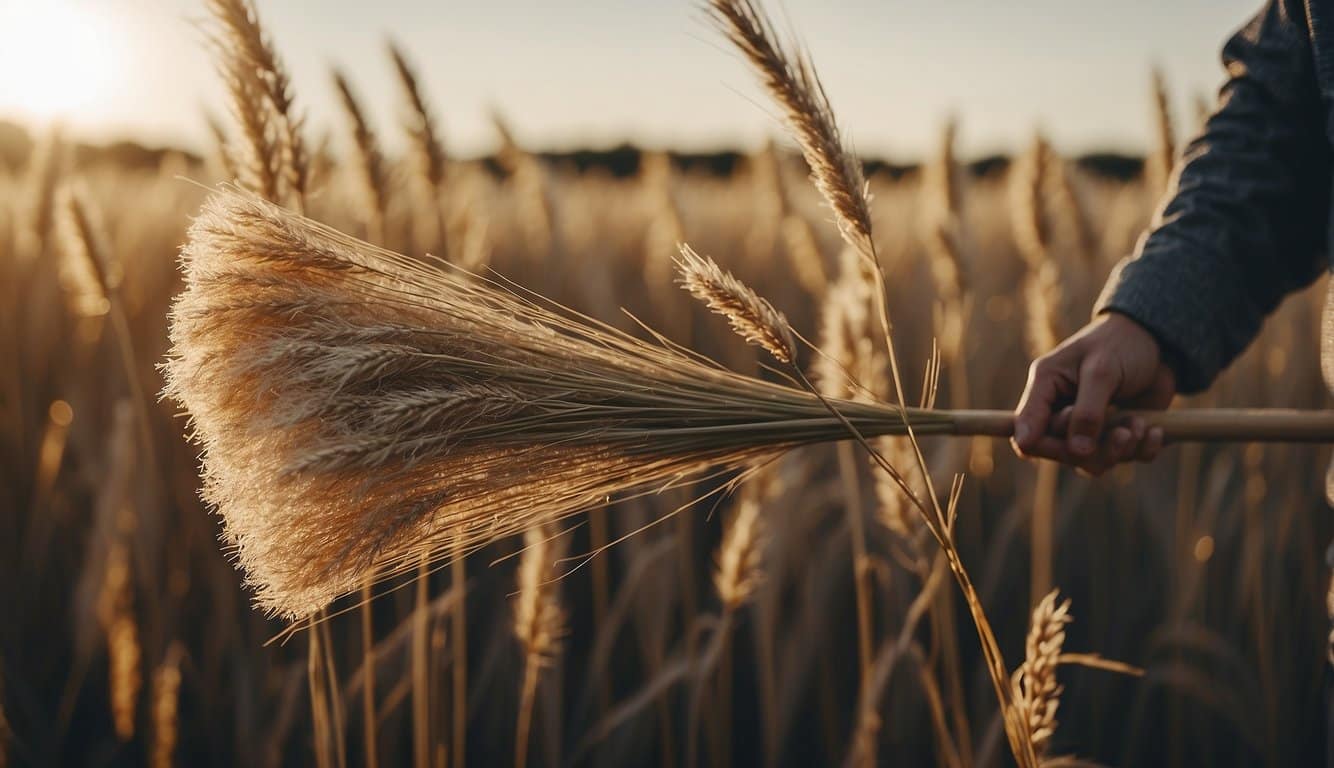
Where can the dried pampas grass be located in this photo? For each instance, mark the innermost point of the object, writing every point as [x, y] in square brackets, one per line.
[358, 408]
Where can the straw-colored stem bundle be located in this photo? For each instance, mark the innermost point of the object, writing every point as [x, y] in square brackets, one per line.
[358, 407]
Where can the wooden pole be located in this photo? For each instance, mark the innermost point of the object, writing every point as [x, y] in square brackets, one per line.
[1211, 425]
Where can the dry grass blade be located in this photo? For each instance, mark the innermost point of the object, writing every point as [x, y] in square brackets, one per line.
[357, 407]
[751, 316]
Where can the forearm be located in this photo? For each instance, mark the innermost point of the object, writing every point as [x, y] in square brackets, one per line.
[1246, 222]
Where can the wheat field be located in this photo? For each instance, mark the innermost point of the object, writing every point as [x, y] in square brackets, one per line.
[796, 607]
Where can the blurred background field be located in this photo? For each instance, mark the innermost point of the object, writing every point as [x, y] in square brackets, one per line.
[126, 636]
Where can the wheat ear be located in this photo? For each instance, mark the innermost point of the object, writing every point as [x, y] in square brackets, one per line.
[1036, 692]
[262, 101]
[372, 173]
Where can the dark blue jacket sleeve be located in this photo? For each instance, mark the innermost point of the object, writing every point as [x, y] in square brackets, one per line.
[1247, 221]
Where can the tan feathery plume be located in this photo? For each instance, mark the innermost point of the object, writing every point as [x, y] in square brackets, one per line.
[789, 76]
[372, 174]
[255, 75]
[357, 407]
[1036, 692]
[752, 317]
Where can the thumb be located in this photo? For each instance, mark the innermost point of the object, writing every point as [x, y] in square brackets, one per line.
[1099, 379]
[1034, 411]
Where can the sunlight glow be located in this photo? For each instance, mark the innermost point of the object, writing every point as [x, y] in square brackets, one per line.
[62, 59]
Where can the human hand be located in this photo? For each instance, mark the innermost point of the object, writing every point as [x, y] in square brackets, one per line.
[1063, 413]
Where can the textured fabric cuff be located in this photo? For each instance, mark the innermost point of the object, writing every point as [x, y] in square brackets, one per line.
[1162, 296]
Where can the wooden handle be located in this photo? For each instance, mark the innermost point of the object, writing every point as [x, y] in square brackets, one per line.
[1212, 425]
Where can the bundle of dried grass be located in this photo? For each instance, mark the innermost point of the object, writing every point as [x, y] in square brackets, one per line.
[358, 408]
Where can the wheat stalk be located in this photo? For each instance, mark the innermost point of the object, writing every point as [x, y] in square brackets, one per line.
[115, 608]
[1163, 155]
[738, 572]
[262, 102]
[166, 708]
[789, 76]
[1036, 692]
[837, 174]
[752, 317]
[940, 221]
[539, 621]
[424, 139]
[372, 174]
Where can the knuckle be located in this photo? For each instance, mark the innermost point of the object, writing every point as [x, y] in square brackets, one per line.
[1099, 367]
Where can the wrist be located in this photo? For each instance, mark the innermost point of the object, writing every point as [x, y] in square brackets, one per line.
[1165, 352]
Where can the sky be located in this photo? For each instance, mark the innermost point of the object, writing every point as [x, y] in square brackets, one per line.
[597, 72]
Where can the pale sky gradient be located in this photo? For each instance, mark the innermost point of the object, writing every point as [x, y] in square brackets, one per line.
[601, 71]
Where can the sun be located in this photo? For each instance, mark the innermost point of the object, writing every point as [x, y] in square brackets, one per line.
[61, 58]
